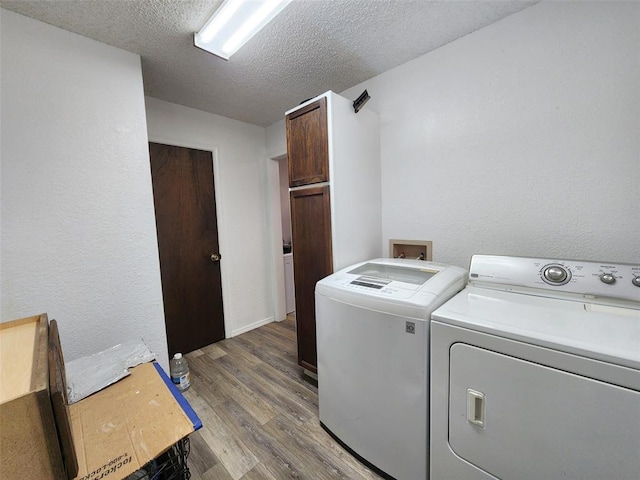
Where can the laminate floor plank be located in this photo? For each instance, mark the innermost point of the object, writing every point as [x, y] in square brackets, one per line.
[281, 329]
[214, 350]
[208, 385]
[218, 472]
[280, 461]
[314, 431]
[276, 332]
[287, 364]
[283, 401]
[272, 344]
[318, 463]
[201, 457]
[289, 323]
[260, 413]
[287, 386]
[259, 472]
[225, 445]
[236, 348]
[252, 402]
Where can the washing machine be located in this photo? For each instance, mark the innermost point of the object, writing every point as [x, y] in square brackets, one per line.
[372, 324]
[535, 372]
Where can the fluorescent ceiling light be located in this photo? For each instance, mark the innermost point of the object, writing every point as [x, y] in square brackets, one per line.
[235, 22]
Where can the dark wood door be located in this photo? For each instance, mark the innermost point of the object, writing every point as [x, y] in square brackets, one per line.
[312, 261]
[307, 144]
[184, 199]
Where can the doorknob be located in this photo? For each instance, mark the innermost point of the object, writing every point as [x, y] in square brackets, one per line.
[215, 257]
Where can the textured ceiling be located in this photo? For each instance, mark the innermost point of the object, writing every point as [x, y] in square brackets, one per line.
[311, 47]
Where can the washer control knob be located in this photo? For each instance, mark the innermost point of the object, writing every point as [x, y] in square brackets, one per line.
[555, 274]
[636, 281]
[607, 278]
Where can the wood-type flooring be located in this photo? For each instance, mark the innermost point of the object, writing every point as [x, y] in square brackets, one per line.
[260, 413]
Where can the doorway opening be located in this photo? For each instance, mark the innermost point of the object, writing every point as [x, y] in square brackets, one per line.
[287, 247]
[282, 249]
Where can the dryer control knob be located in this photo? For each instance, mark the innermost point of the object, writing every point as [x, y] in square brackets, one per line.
[636, 281]
[607, 278]
[555, 275]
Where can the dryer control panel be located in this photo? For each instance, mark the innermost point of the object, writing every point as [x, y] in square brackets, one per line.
[586, 279]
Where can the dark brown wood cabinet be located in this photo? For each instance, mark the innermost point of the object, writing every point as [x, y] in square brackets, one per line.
[311, 230]
[307, 144]
[308, 162]
[334, 180]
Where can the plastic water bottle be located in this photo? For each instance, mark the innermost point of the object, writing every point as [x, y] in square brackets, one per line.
[180, 372]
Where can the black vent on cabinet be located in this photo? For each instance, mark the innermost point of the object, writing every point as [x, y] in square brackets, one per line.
[359, 102]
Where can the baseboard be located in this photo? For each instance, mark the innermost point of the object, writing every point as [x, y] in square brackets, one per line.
[253, 326]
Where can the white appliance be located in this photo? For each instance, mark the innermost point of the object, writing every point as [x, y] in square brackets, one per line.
[373, 341]
[289, 288]
[535, 372]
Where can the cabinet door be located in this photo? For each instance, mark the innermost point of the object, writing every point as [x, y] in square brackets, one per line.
[312, 260]
[307, 144]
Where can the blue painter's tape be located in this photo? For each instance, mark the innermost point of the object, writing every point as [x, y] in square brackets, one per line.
[193, 416]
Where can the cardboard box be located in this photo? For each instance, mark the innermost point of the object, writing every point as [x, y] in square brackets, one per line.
[28, 436]
[121, 428]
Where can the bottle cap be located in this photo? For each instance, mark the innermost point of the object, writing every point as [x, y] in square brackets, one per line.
[177, 356]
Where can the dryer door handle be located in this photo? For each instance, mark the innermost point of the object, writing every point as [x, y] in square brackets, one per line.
[475, 407]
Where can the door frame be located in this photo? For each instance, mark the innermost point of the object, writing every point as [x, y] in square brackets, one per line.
[222, 233]
[275, 222]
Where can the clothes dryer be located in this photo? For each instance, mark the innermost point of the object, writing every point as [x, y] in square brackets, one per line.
[372, 323]
[535, 372]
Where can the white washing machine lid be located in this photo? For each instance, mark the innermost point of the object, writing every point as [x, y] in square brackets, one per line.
[404, 287]
[610, 334]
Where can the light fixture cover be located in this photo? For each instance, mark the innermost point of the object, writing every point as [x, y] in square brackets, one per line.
[235, 22]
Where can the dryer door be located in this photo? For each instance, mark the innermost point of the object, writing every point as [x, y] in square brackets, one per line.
[517, 419]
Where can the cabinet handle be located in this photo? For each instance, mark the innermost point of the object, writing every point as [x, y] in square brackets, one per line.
[215, 257]
[475, 407]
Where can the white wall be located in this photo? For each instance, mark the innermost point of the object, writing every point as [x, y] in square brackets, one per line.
[276, 139]
[78, 226]
[519, 139]
[241, 193]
